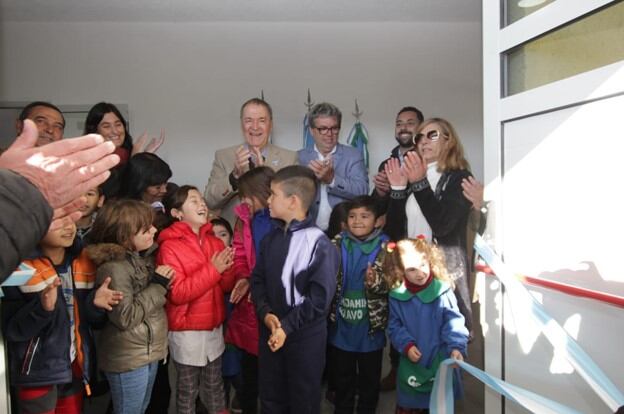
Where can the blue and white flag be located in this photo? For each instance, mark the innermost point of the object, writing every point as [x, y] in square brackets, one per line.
[358, 138]
[308, 140]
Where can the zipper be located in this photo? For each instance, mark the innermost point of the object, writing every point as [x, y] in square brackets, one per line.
[149, 337]
[33, 344]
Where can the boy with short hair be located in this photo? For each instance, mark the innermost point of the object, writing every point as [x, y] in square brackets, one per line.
[292, 286]
[359, 312]
[51, 351]
[95, 201]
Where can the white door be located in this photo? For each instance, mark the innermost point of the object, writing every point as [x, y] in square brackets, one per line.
[554, 151]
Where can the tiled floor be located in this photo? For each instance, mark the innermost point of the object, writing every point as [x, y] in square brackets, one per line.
[472, 403]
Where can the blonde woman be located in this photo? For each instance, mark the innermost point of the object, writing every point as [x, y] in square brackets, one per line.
[427, 198]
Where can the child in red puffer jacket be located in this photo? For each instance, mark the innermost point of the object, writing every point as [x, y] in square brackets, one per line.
[195, 308]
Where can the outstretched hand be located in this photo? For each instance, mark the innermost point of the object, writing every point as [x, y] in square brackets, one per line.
[63, 170]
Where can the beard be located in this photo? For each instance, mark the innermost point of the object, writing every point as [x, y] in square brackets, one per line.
[405, 139]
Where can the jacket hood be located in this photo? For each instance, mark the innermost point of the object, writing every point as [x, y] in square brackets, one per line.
[180, 230]
[105, 252]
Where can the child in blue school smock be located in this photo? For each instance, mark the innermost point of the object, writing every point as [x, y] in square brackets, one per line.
[425, 323]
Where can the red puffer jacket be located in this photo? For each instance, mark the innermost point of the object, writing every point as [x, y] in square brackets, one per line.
[195, 300]
[242, 327]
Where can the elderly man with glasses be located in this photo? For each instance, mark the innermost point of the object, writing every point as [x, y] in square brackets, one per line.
[339, 168]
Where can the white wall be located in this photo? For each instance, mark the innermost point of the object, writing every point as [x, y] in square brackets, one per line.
[191, 78]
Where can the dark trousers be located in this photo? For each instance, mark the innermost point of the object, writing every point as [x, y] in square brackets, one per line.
[357, 372]
[249, 396]
[290, 379]
[394, 357]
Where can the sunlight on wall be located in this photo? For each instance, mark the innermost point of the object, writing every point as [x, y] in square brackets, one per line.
[558, 197]
[559, 363]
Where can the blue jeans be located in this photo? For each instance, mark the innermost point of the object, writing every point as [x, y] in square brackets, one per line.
[131, 390]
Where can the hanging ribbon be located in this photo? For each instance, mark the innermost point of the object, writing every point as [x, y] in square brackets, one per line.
[442, 393]
[556, 335]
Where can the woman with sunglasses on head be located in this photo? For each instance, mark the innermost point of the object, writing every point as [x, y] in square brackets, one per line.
[427, 198]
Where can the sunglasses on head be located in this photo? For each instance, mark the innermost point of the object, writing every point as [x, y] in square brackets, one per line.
[432, 135]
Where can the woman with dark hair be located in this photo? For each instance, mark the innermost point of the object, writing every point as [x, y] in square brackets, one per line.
[427, 199]
[105, 119]
[145, 178]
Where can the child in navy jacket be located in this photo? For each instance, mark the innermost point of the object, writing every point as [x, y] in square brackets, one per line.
[292, 286]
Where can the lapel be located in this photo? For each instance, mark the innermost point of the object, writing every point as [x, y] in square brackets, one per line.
[337, 156]
[273, 156]
[307, 155]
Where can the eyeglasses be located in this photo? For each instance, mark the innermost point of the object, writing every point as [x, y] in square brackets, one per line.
[432, 135]
[327, 130]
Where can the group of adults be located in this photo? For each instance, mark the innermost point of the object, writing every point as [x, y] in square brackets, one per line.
[424, 186]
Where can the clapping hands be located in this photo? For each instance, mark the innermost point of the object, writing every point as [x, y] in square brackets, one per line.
[323, 170]
[223, 260]
[142, 144]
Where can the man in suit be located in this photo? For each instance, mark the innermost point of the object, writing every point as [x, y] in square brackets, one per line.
[339, 168]
[230, 163]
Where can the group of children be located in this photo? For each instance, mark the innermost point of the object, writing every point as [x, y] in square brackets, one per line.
[109, 293]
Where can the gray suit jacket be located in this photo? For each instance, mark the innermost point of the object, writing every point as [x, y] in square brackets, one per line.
[219, 192]
[350, 175]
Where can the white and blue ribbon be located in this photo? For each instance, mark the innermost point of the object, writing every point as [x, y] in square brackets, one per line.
[442, 395]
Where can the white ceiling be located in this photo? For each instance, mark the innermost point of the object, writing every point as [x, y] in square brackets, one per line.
[240, 10]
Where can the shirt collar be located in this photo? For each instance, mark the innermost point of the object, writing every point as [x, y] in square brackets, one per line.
[332, 152]
[263, 151]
